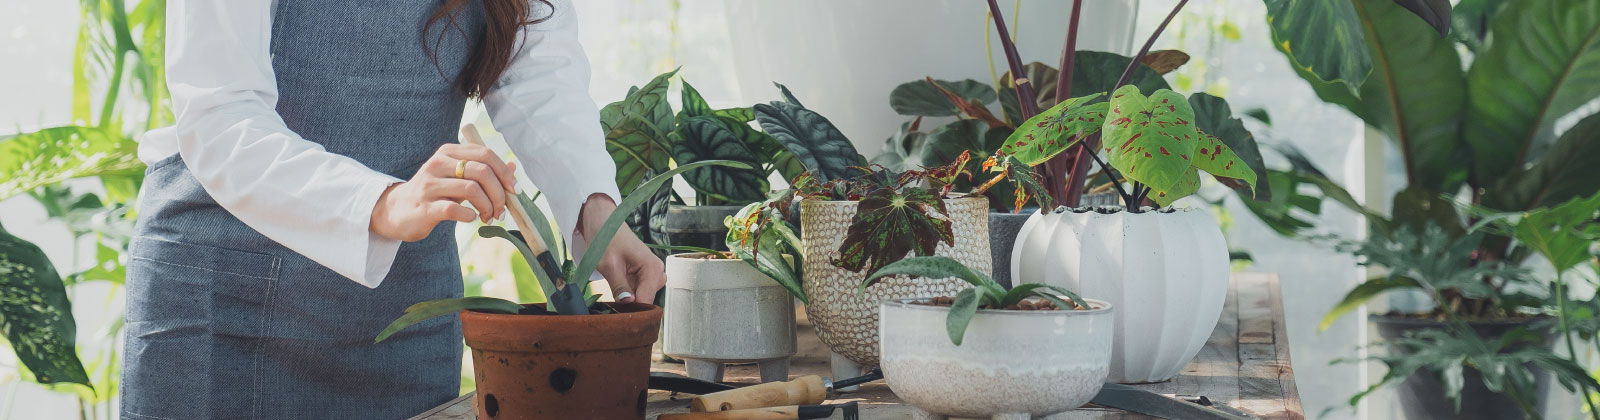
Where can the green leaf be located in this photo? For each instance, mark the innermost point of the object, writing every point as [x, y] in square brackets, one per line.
[1150, 139]
[36, 315]
[787, 95]
[705, 138]
[1212, 115]
[1470, 21]
[1186, 186]
[1542, 63]
[1435, 12]
[1564, 233]
[933, 267]
[52, 155]
[1323, 38]
[1056, 129]
[425, 310]
[1220, 161]
[920, 98]
[1563, 173]
[637, 148]
[761, 237]
[742, 115]
[1416, 95]
[650, 102]
[945, 144]
[547, 285]
[1076, 300]
[597, 248]
[1420, 207]
[815, 142]
[694, 105]
[961, 312]
[889, 224]
[1363, 293]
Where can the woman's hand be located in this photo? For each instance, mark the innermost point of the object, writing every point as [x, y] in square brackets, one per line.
[634, 273]
[409, 210]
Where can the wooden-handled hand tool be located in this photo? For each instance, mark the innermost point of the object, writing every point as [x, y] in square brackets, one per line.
[800, 412]
[804, 390]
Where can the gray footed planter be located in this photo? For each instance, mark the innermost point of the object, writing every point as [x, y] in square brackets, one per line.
[723, 311]
[1011, 365]
[846, 320]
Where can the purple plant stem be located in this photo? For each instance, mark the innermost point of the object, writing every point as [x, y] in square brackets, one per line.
[1081, 167]
[1025, 97]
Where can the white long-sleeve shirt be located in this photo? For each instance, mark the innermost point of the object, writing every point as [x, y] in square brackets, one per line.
[318, 203]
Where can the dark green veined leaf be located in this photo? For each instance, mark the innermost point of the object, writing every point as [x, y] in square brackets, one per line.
[52, 155]
[547, 285]
[1324, 38]
[1056, 129]
[1363, 293]
[1212, 115]
[947, 143]
[760, 236]
[933, 267]
[1076, 300]
[961, 312]
[423, 311]
[1563, 233]
[1419, 207]
[815, 142]
[591, 254]
[1563, 173]
[1542, 62]
[1259, 114]
[694, 105]
[704, 138]
[36, 315]
[1435, 12]
[650, 102]
[1470, 21]
[649, 221]
[1186, 186]
[920, 98]
[767, 149]
[901, 152]
[611, 115]
[1220, 161]
[1093, 72]
[1150, 138]
[787, 95]
[1416, 93]
[636, 148]
[742, 115]
[889, 224]
[1043, 79]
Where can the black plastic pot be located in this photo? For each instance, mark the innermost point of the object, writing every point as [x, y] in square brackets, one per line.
[699, 226]
[1422, 394]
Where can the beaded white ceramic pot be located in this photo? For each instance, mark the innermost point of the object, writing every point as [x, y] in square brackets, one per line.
[847, 321]
[1166, 272]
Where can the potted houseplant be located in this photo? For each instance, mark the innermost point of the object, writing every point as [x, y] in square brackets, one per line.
[1029, 352]
[1165, 269]
[570, 357]
[855, 218]
[722, 310]
[645, 137]
[1480, 126]
[1492, 362]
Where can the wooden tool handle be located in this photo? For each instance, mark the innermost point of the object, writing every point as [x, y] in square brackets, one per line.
[519, 215]
[773, 413]
[805, 390]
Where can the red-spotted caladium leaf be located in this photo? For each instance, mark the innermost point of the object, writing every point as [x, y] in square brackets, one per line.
[1151, 139]
[1189, 184]
[1218, 160]
[1053, 131]
[890, 224]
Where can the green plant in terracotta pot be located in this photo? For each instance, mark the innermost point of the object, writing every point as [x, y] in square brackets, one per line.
[571, 357]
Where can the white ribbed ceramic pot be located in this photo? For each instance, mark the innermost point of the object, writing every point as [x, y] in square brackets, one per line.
[1165, 271]
[722, 311]
[846, 320]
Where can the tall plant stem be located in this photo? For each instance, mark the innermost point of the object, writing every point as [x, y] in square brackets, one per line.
[1566, 335]
[1025, 97]
[1058, 170]
[1081, 166]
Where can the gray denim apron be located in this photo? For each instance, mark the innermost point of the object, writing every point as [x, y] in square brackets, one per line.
[223, 322]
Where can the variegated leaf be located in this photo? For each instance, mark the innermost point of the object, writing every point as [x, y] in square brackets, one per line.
[889, 225]
[1186, 186]
[1220, 161]
[636, 148]
[1150, 139]
[1051, 132]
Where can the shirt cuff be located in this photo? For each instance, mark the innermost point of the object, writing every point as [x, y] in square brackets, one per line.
[378, 251]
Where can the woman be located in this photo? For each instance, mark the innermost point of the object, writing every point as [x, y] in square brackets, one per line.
[309, 190]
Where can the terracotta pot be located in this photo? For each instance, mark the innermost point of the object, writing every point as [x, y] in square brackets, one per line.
[846, 320]
[562, 366]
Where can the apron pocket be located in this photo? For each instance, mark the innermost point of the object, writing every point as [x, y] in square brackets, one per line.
[227, 288]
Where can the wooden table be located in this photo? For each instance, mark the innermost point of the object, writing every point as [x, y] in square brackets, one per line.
[1245, 365]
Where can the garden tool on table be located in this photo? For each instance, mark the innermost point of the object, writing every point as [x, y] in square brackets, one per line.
[793, 412]
[568, 299]
[805, 390]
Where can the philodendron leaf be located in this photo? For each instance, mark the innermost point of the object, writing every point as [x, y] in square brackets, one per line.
[424, 310]
[1563, 173]
[36, 315]
[52, 155]
[705, 138]
[694, 105]
[1054, 130]
[596, 248]
[1435, 12]
[920, 98]
[1363, 293]
[1213, 115]
[1150, 139]
[890, 224]
[961, 312]
[637, 148]
[1324, 38]
[815, 142]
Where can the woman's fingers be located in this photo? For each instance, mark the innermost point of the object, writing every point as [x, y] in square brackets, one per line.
[458, 190]
[445, 210]
[483, 155]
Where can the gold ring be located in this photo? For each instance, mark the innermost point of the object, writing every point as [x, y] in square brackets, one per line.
[461, 169]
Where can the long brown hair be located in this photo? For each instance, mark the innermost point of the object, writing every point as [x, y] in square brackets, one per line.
[503, 20]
